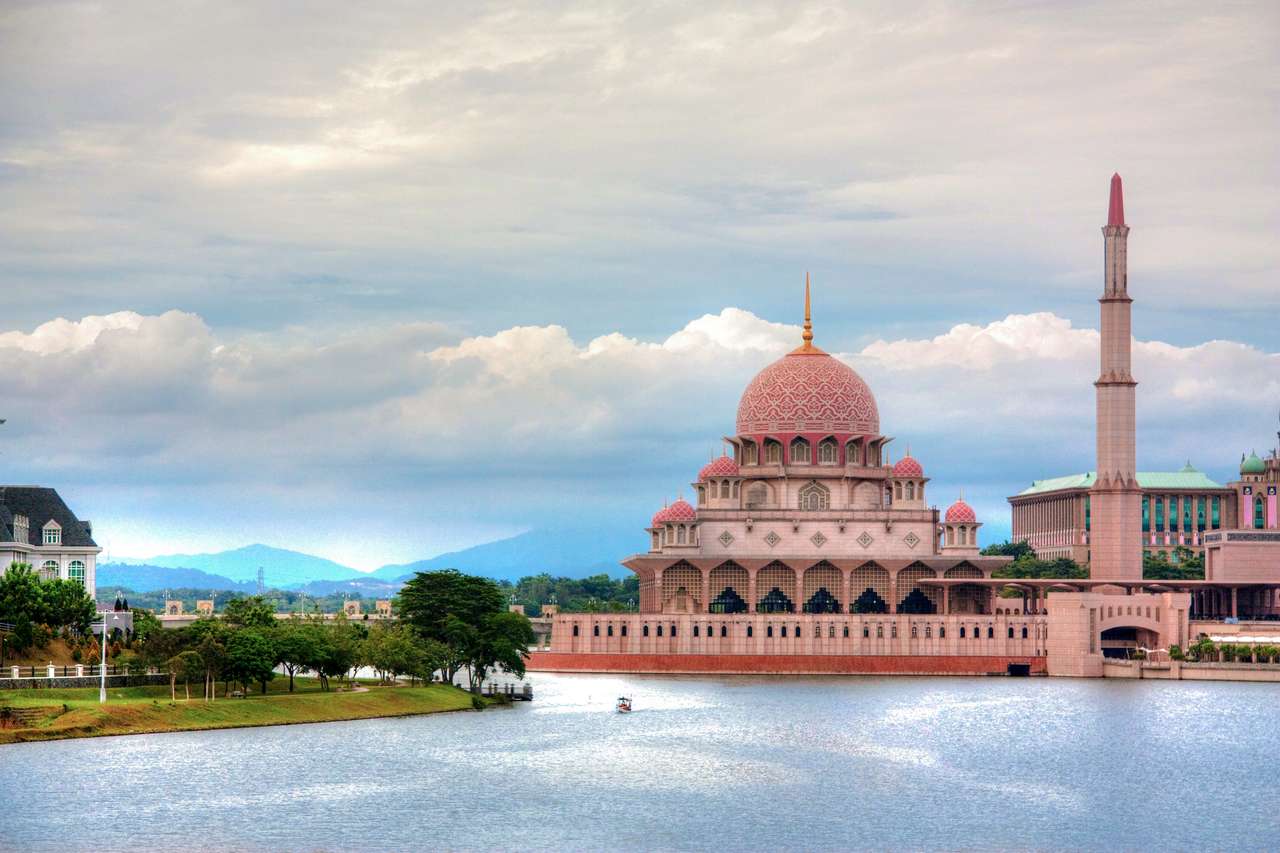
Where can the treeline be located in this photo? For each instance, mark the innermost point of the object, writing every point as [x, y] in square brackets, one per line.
[1187, 564]
[594, 593]
[41, 609]
[449, 623]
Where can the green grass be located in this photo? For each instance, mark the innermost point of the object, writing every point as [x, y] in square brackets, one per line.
[141, 710]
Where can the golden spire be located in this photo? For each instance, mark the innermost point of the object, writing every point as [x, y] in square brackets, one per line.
[807, 335]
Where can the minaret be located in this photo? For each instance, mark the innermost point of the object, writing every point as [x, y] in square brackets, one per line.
[1115, 542]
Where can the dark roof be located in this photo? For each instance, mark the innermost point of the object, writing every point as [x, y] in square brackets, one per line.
[39, 505]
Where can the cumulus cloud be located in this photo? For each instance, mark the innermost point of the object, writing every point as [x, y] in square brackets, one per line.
[304, 440]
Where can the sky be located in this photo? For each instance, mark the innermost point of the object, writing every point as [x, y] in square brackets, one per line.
[380, 281]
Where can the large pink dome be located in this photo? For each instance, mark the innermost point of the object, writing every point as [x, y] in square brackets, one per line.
[806, 392]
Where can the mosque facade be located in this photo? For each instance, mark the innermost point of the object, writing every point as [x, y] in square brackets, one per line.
[807, 550]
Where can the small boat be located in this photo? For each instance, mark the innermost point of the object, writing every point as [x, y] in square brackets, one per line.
[624, 704]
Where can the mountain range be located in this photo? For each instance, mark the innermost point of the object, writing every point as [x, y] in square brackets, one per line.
[564, 552]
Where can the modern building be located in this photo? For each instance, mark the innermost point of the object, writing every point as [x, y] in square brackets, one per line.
[1055, 516]
[38, 528]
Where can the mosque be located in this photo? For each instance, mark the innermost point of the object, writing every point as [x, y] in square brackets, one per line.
[807, 550]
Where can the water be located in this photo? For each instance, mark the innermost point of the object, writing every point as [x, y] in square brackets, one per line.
[702, 764]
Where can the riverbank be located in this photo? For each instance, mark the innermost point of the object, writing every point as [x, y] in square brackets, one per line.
[75, 712]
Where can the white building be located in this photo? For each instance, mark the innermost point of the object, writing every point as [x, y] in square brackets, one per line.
[38, 528]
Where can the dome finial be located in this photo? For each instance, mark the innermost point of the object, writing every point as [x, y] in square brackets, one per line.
[807, 346]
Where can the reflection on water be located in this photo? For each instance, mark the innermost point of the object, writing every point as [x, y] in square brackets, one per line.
[701, 764]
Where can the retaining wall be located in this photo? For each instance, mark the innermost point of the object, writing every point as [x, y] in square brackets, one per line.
[782, 664]
[81, 681]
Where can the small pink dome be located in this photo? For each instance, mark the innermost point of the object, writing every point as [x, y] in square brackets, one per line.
[961, 512]
[681, 510]
[907, 466]
[678, 511]
[722, 467]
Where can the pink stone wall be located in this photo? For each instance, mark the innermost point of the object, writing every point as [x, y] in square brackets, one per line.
[783, 664]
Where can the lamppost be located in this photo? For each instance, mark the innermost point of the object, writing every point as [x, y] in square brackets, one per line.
[102, 669]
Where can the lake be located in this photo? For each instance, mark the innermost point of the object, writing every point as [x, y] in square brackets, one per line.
[702, 764]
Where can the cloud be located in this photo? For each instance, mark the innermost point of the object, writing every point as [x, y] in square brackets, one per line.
[420, 439]
[262, 166]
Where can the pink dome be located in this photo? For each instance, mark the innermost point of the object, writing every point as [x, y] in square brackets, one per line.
[722, 467]
[960, 512]
[678, 511]
[907, 466]
[681, 510]
[808, 391]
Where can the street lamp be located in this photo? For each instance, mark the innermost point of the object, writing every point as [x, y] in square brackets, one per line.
[102, 669]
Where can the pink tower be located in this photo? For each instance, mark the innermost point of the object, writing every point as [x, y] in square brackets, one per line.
[1115, 542]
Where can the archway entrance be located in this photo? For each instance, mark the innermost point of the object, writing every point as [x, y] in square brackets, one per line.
[1120, 642]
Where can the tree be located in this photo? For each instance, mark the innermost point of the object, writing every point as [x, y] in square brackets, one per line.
[1063, 568]
[250, 612]
[1189, 565]
[501, 640]
[250, 658]
[185, 665]
[1017, 550]
[393, 651]
[145, 625]
[298, 646]
[430, 600]
[211, 636]
[66, 603]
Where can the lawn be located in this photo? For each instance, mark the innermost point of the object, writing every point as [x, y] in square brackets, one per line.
[75, 712]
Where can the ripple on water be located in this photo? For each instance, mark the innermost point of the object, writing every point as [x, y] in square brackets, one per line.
[702, 764]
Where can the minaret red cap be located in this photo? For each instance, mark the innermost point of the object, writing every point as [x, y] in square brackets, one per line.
[1115, 213]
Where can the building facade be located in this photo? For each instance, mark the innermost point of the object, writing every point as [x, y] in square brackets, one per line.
[38, 528]
[807, 551]
[1055, 516]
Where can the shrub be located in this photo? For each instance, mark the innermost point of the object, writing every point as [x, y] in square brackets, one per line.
[477, 704]
[1176, 653]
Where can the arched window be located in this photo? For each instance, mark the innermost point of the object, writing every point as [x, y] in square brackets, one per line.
[772, 452]
[680, 535]
[702, 494]
[897, 491]
[962, 632]
[76, 571]
[815, 496]
[610, 631]
[735, 488]
[724, 488]
[49, 570]
[768, 631]
[749, 631]
[851, 453]
[928, 632]
[1010, 632]
[695, 630]
[800, 452]
[655, 542]
[828, 452]
[644, 631]
[942, 632]
[624, 630]
[991, 633]
[724, 630]
[913, 632]
[595, 630]
[757, 495]
[659, 630]
[575, 630]
[1259, 513]
[1024, 632]
[784, 630]
[750, 453]
[911, 491]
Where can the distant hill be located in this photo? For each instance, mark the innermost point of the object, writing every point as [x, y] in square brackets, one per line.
[567, 553]
[146, 578]
[281, 568]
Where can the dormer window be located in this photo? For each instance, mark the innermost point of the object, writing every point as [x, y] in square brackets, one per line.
[52, 533]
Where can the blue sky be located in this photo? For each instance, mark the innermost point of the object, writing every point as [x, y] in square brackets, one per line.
[379, 283]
